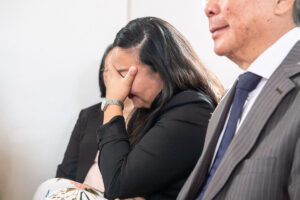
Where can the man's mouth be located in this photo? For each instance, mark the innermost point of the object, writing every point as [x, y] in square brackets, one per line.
[216, 30]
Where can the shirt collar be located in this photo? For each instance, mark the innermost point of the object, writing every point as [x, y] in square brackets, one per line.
[271, 58]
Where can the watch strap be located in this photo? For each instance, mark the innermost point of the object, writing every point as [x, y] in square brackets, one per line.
[107, 102]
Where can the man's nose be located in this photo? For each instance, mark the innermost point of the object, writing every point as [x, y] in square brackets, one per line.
[211, 8]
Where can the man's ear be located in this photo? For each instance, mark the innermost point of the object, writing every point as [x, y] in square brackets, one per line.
[283, 7]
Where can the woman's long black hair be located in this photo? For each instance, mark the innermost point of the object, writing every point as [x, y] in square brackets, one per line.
[101, 70]
[168, 53]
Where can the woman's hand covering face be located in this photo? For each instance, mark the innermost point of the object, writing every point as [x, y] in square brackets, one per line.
[117, 86]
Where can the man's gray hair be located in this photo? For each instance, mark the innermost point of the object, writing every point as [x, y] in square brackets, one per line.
[296, 12]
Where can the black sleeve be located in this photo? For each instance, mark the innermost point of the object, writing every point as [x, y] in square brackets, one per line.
[68, 167]
[167, 152]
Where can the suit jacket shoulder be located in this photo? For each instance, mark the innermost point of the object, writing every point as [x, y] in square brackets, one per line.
[82, 146]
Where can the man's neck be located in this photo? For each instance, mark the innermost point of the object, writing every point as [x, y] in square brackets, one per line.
[245, 56]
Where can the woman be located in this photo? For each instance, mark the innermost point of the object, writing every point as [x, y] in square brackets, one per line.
[80, 162]
[174, 96]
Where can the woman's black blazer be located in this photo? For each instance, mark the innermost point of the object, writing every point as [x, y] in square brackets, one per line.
[82, 147]
[164, 154]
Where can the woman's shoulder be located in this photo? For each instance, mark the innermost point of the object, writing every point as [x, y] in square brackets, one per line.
[189, 105]
[189, 98]
[91, 110]
[93, 107]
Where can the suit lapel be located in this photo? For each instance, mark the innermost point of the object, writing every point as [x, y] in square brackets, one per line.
[277, 87]
[215, 126]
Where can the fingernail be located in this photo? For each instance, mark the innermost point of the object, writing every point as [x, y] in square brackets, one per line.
[133, 69]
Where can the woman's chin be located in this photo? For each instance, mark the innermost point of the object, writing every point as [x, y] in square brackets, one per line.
[138, 104]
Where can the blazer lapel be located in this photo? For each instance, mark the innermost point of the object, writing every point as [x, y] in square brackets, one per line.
[277, 87]
[195, 180]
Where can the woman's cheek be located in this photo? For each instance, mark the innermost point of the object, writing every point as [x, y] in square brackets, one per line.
[133, 90]
[136, 84]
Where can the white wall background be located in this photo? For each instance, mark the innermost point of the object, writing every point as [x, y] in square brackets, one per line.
[50, 51]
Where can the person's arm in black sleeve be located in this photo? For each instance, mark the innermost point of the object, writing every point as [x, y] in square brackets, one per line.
[168, 152]
[68, 167]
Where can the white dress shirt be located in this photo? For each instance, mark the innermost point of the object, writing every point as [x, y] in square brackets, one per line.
[264, 66]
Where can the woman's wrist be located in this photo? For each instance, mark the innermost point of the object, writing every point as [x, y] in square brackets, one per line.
[111, 111]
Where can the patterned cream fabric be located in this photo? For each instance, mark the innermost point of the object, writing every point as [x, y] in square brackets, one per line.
[58, 188]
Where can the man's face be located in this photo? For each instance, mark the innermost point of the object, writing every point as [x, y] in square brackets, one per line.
[238, 26]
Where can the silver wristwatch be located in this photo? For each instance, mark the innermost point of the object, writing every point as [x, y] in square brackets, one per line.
[105, 102]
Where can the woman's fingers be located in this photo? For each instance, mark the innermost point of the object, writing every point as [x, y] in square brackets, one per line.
[111, 71]
[118, 87]
[128, 79]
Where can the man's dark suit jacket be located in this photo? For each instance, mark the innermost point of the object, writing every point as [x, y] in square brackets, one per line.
[263, 159]
[82, 147]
